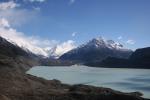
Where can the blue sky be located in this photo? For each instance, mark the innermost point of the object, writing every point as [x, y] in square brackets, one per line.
[125, 21]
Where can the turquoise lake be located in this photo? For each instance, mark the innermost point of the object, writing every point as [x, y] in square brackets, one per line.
[122, 79]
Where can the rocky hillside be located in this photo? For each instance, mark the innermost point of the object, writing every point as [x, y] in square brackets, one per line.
[19, 86]
[12, 55]
[139, 59]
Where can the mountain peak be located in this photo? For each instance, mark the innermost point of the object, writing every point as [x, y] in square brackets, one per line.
[102, 43]
[97, 49]
[96, 42]
[110, 41]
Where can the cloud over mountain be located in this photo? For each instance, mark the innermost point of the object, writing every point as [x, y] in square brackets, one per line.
[4, 23]
[33, 43]
[10, 16]
[130, 42]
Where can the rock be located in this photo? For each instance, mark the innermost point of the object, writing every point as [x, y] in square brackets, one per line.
[3, 97]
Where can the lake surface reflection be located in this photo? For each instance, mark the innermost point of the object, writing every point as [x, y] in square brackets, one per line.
[127, 80]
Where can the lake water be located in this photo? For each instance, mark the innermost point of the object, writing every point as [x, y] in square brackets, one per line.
[126, 80]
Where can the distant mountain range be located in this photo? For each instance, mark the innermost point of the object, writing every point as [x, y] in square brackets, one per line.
[95, 50]
[24, 56]
[98, 52]
[139, 59]
[53, 52]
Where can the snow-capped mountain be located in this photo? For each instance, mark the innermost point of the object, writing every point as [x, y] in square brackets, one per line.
[52, 52]
[30, 48]
[60, 50]
[97, 49]
[45, 52]
[102, 43]
[11, 50]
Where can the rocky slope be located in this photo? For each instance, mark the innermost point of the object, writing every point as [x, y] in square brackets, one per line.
[12, 55]
[95, 50]
[139, 59]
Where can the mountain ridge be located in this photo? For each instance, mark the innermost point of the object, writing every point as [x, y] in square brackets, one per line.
[140, 58]
[10, 53]
[52, 52]
[97, 49]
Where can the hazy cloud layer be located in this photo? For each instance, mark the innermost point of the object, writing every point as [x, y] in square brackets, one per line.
[16, 17]
[4, 23]
[130, 42]
[74, 34]
[37, 0]
[72, 1]
[120, 37]
[64, 47]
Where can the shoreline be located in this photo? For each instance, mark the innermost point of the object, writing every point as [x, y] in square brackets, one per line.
[16, 85]
[83, 82]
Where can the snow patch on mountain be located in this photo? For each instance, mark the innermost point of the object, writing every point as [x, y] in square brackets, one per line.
[100, 43]
[103, 43]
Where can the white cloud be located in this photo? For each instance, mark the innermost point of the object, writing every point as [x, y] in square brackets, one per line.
[34, 44]
[8, 5]
[74, 34]
[130, 42]
[10, 16]
[65, 47]
[15, 16]
[72, 1]
[21, 40]
[120, 37]
[4, 23]
[37, 0]
[37, 8]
